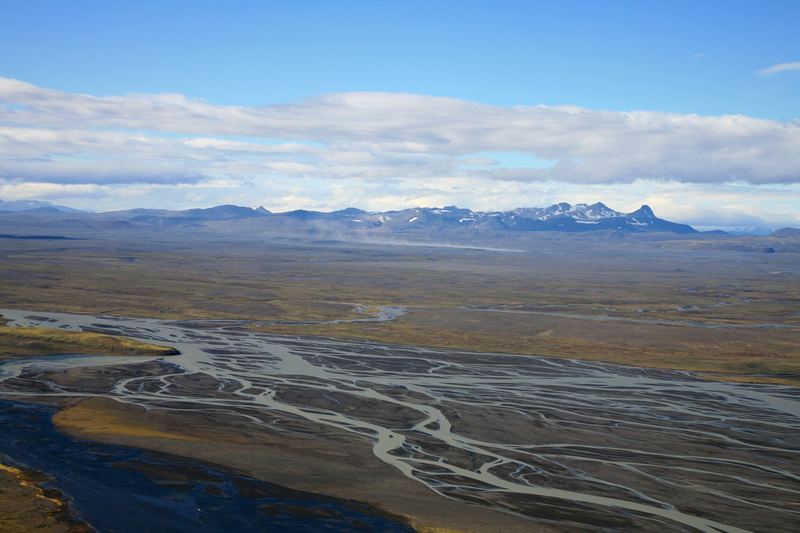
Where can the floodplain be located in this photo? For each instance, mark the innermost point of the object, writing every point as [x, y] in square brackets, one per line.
[579, 384]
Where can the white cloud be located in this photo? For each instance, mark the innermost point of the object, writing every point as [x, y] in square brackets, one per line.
[792, 66]
[375, 135]
[47, 191]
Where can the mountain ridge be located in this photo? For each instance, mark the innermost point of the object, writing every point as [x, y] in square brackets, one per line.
[560, 217]
[786, 232]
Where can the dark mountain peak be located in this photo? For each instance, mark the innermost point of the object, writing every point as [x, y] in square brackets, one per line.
[260, 209]
[643, 212]
[786, 232]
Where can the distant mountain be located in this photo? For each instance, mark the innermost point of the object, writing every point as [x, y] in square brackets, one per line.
[578, 211]
[224, 212]
[426, 222]
[561, 217]
[188, 216]
[786, 232]
[35, 205]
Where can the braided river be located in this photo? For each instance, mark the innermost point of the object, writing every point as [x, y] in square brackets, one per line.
[583, 444]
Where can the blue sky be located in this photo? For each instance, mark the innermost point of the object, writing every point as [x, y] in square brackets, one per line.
[682, 58]
[691, 57]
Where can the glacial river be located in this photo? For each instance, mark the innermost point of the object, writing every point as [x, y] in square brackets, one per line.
[127, 490]
[556, 440]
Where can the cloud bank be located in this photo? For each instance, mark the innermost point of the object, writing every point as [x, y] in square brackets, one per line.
[53, 136]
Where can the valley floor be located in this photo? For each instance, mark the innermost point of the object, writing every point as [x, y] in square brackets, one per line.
[514, 443]
[730, 315]
[724, 314]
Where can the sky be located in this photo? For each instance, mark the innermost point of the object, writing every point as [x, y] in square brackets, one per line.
[692, 107]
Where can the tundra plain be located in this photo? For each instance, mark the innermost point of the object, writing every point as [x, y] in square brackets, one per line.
[702, 307]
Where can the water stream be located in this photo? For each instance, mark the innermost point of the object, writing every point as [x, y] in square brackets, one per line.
[558, 440]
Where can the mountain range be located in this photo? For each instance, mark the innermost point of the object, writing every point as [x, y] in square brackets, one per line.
[429, 221]
[561, 217]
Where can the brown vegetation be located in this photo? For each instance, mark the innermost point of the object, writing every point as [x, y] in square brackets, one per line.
[26, 507]
[21, 342]
[624, 301]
